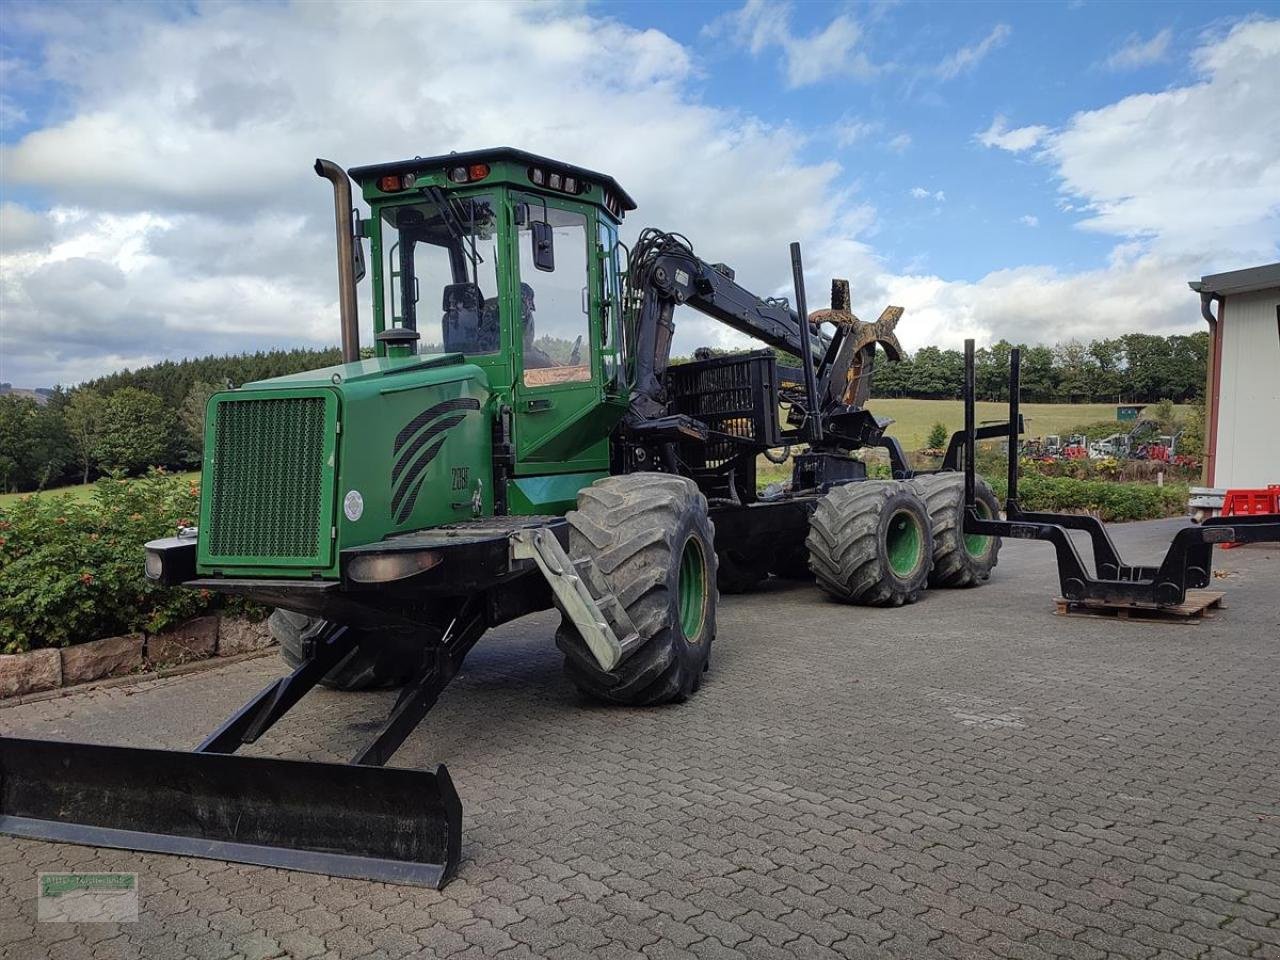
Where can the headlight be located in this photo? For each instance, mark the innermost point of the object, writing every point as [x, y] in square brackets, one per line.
[155, 565]
[385, 567]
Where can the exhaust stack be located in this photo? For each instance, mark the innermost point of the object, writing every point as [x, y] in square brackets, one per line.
[347, 310]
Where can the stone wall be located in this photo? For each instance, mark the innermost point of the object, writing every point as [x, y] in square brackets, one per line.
[198, 639]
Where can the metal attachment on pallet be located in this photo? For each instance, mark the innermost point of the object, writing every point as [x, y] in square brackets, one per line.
[1187, 564]
[580, 592]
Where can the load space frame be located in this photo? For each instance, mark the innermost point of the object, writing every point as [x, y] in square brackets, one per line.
[1188, 563]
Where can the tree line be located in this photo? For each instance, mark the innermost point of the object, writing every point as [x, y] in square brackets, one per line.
[1134, 368]
[128, 421]
[154, 416]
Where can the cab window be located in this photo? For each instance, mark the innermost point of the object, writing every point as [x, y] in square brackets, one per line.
[554, 304]
[442, 273]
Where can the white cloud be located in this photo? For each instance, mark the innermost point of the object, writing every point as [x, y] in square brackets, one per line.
[23, 229]
[1137, 52]
[848, 131]
[1191, 169]
[1016, 140]
[920, 193]
[967, 58]
[760, 25]
[1029, 220]
[1188, 182]
[185, 219]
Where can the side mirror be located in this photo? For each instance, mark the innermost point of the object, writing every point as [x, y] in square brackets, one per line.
[358, 256]
[544, 253]
[357, 248]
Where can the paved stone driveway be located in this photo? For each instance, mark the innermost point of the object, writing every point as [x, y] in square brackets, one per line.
[970, 777]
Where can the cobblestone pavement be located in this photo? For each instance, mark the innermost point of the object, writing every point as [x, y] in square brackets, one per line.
[969, 777]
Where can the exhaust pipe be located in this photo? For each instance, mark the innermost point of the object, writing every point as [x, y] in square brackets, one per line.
[347, 310]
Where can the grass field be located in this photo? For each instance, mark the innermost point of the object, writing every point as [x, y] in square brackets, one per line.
[914, 418]
[78, 492]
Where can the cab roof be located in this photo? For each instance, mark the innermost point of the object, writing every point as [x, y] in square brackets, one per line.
[491, 155]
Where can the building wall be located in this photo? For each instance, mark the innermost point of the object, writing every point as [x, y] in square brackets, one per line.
[1248, 414]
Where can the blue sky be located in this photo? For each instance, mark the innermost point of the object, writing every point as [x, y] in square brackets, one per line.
[1050, 61]
[1038, 171]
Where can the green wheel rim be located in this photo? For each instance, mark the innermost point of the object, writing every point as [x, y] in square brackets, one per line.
[692, 589]
[977, 544]
[903, 542]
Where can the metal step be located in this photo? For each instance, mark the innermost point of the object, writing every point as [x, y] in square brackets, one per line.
[582, 593]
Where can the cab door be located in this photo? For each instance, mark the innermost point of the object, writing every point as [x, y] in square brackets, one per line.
[558, 376]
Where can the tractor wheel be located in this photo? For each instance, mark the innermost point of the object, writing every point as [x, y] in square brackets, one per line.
[738, 572]
[870, 543]
[653, 544]
[381, 660]
[959, 559]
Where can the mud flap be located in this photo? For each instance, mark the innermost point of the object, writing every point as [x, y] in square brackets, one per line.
[348, 820]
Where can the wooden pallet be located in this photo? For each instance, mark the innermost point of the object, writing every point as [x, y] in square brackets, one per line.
[1198, 605]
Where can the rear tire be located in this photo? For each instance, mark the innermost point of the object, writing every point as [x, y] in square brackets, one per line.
[870, 543]
[959, 559]
[653, 544]
[383, 659]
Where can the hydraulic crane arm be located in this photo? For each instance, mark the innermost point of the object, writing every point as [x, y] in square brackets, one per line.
[664, 273]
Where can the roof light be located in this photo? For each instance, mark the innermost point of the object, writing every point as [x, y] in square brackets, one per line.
[477, 171]
[408, 180]
[570, 184]
[536, 175]
[458, 174]
[391, 184]
[554, 181]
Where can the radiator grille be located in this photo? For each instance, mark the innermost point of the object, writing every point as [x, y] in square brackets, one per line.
[269, 480]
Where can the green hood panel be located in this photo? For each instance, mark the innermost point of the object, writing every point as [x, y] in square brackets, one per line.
[403, 444]
[361, 371]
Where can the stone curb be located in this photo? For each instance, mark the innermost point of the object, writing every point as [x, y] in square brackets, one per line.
[210, 637]
[195, 666]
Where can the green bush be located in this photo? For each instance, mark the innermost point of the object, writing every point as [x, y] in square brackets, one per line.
[938, 437]
[1097, 429]
[73, 571]
[1108, 501]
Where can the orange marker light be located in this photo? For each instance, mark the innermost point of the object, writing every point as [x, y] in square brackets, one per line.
[389, 184]
[478, 171]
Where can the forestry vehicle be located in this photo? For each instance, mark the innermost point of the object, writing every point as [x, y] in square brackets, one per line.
[516, 438]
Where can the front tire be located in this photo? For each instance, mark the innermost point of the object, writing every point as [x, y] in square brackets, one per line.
[870, 543]
[653, 544]
[382, 659]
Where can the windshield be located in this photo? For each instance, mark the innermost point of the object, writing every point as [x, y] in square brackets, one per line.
[441, 272]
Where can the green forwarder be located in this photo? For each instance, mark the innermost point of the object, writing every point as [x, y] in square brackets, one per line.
[517, 440]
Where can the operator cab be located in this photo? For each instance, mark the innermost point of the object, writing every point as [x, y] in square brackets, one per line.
[503, 256]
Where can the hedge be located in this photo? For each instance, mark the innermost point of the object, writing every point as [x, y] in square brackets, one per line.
[72, 571]
[1107, 500]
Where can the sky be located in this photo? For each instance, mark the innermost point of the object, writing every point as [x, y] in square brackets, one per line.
[1033, 171]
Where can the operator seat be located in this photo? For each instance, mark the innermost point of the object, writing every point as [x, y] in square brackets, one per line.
[467, 326]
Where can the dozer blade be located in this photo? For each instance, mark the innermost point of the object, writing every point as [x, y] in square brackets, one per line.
[349, 820]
